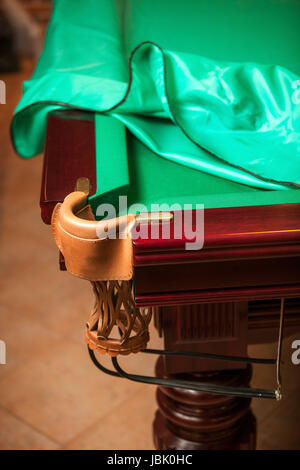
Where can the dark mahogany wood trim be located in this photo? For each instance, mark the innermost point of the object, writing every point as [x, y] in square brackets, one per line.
[208, 281]
[220, 254]
[69, 154]
[263, 320]
[231, 228]
[218, 295]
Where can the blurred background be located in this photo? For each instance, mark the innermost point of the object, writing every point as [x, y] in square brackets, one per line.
[51, 396]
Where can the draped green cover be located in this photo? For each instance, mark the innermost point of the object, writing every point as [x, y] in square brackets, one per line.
[183, 77]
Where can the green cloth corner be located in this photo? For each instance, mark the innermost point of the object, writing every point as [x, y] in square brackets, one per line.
[210, 92]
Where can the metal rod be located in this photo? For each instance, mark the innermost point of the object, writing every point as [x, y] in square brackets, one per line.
[279, 349]
[249, 360]
[245, 392]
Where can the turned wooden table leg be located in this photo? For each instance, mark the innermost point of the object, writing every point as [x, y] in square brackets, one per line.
[191, 420]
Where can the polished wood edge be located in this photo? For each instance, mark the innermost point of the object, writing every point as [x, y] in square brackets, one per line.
[218, 295]
[68, 132]
[266, 225]
[213, 254]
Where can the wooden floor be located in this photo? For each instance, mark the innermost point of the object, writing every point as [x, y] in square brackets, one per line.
[51, 396]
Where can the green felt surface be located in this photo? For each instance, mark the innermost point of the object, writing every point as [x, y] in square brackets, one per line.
[126, 167]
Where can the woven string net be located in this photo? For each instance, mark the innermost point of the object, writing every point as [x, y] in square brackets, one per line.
[116, 325]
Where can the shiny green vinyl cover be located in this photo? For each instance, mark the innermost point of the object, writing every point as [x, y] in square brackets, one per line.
[213, 84]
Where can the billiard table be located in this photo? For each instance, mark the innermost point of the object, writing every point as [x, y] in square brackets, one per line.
[193, 156]
[217, 299]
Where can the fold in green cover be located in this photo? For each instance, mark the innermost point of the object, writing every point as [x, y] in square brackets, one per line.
[236, 120]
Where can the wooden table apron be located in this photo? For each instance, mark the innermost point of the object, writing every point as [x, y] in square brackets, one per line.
[218, 299]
